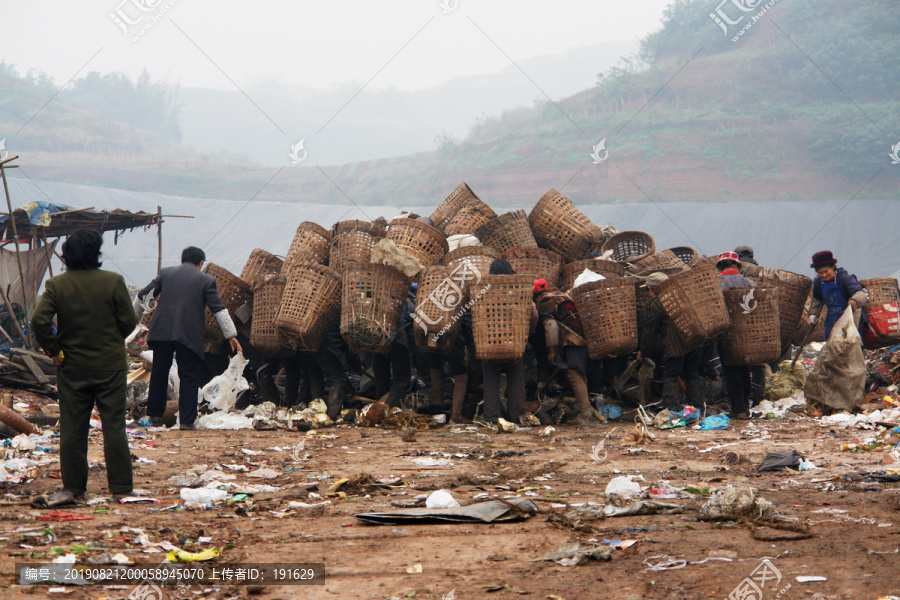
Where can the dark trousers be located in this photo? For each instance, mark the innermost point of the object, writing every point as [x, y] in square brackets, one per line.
[392, 374]
[515, 389]
[303, 379]
[78, 392]
[332, 361]
[757, 383]
[191, 371]
[737, 386]
[687, 367]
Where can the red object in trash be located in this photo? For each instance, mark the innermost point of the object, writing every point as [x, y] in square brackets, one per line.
[62, 515]
[884, 322]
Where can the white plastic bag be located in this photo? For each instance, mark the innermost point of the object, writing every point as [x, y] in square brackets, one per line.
[624, 488]
[222, 391]
[223, 420]
[441, 499]
[203, 495]
[838, 378]
[587, 276]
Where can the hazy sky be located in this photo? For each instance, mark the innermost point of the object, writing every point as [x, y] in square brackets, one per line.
[203, 43]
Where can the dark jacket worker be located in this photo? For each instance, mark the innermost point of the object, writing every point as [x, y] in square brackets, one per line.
[94, 316]
[177, 332]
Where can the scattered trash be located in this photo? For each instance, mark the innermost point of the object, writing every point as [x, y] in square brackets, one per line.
[575, 553]
[203, 495]
[515, 509]
[810, 578]
[441, 499]
[715, 422]
[223, 390]
[428, 461]
[839, 376]
[62, 515]
[416, 568]
[779, 460]
[547, 431]
[624, 489]
[182, 556]
[610, 412]
[664, 563]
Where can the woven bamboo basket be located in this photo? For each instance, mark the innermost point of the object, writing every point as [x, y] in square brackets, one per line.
[792, 292]
[471, 263]
[687, 255]
[571, 271]
[667, 272]
[460, 198]
[373, 299]
[755, 334]
[310, 306]
[260, 264]
[468, 219]
[311, 243]
[695, 304]
[419, 240]
[440, 304]
[353, 241]
[233, 291]
[881, 291]
[264, 336]
[509, 230]
[609, 309]
[537, 262]
[657, 262]
[561, 227]
[501, 315]
[630, 246]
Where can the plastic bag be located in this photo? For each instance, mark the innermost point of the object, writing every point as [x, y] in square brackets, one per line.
[838, 378]
[223, 391]
[715, 422]
[587, 276]
[624, 488]
[779, 460]
[441, 499]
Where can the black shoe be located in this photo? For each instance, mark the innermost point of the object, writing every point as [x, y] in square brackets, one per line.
[191, 427]
[156, 422]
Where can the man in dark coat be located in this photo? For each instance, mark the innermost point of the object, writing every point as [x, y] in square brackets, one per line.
[94, 316]
[177, 331]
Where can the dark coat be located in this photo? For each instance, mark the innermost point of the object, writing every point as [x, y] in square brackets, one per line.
[94, 316]
[184, 293]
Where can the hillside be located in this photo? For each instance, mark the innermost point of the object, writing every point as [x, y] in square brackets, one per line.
[803, 106]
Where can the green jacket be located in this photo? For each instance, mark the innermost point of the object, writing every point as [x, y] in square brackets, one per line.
[94, 315]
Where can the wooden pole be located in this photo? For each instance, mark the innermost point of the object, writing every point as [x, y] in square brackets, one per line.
[15, 319]
[12, 220]
[159, 238]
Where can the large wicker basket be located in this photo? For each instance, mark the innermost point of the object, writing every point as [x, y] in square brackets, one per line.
[693, 301]
[658, 262]
[571, 271]
[353, 241]
[469, 218]
[312, 243]
[755, 333]
[687, 255]
[311, 305]
[260, 264]
[419, 240]
[881, 291]
[509, 230]
[460, 198]
[264, 336]
[792, 292]
[537, 262]
[630, 246]
[233, 291]
[373, 299]
[501, 315]
[147, 317]
[440, 304]
[609, 311]
[561, 227]
[471, 263]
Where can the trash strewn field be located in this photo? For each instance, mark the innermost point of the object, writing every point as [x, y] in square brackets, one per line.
[285, 496]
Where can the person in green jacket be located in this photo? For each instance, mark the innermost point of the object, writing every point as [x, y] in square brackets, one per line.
[94, 315]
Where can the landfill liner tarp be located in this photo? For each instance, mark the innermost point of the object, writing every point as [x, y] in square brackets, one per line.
[839, 377]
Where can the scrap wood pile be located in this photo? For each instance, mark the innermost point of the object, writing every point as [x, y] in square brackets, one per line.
[27, 370]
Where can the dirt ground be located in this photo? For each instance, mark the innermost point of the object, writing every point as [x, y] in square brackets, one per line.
[854, 524]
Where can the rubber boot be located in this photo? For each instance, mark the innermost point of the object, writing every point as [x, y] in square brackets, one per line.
[335, 400]
[460, 383]
[582, 403]
[437, 386]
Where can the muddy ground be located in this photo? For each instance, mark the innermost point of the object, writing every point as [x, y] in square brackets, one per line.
[854, 524]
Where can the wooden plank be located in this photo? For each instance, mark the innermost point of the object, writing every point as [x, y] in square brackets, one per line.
[39, 375]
